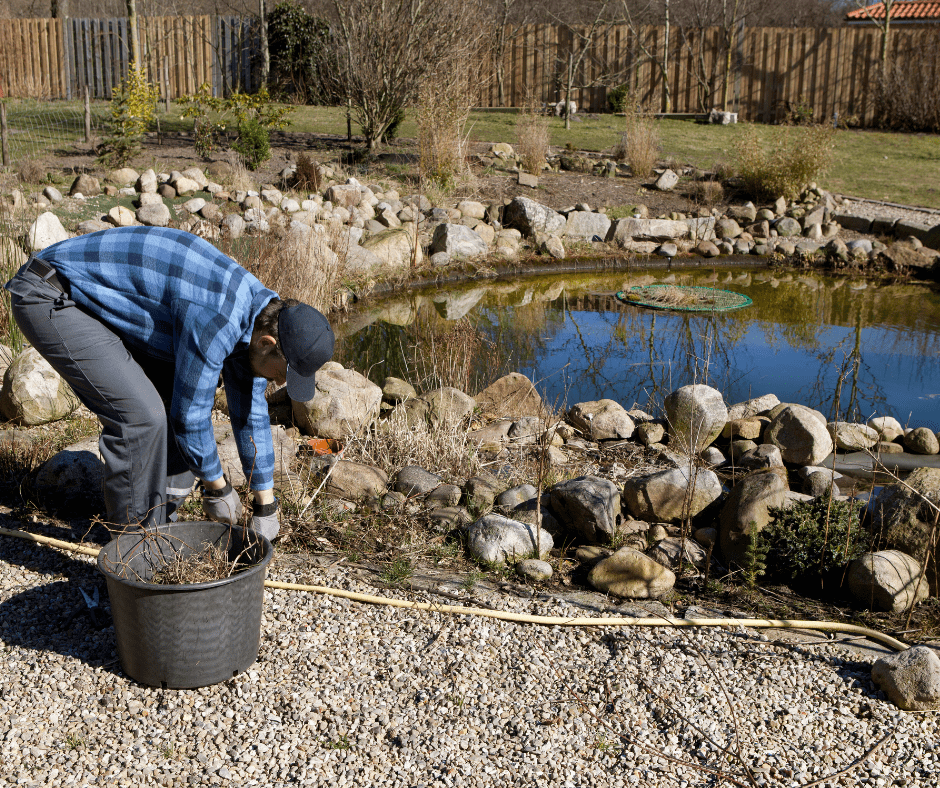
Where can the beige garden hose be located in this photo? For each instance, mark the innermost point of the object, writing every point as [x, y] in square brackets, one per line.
[524, 618]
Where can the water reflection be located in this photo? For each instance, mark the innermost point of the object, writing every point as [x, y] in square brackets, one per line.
[846, 347]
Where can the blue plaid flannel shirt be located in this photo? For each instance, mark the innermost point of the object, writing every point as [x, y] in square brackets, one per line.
[176, 297]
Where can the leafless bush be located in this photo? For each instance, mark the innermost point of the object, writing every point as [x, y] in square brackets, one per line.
[31, 171]
[786, 159]
[907, 98]
[532, 138]
[443, 108]
[706, 193]
[307, 174]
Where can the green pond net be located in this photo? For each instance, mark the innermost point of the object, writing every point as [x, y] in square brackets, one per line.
[684, 298]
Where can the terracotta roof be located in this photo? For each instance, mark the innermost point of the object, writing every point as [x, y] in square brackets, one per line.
[926, 10]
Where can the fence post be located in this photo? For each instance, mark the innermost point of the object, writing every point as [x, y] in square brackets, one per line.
[3, 134]
[87, 115]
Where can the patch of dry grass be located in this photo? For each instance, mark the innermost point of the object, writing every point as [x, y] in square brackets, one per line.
[639, 144]
[204, 565]
[532, 139]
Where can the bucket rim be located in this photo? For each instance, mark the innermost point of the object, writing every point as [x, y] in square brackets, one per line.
[110, 574]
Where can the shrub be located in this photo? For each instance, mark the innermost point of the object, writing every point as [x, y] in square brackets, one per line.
[532, 138]
[787, 160]
[706, 193]
[618, 98]
[32, 171]
[444, 104]
[301, 55]
[812, 538]
[908, 98]
[133, 109]
[253, 143]
[391, 131]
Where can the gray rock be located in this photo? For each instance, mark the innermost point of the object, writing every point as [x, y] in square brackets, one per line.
[746, 512]
[45, 231]
[587, 225]
[787, 227]
[498, 540]
[530, 217]
[535, 570]
[671, 495]
[526, 431]
[515, 496]
[660, 230]
[123, 176]
[553, 247]
[667, 181]
[712, 456]
[457, 241]
[649, 432]
[800, 435]
[910, 679]
[858, 224]
[510, 395]
[921, 441]
[156, 215]
[396, 390]
[887, 580]
[668, 250]
[753, 407]
[71, 480]
[197, 175]
[588, 505]
[444, 496]
[415, 481]
[696, 416]
[33, 392]
[674, 552]
[52, 194]
[818, 481]
[629, 573]
[727, 228]
[233, 225]
[395, 247]
[448, 405]
[601, 420]
[345, 403]
[852, 437]
[746, 429]
[355, 481]
[481, 490]
[493, 436]
[86, 185]
[147, 182]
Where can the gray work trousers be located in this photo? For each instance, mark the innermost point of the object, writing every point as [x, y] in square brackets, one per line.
[145, 476]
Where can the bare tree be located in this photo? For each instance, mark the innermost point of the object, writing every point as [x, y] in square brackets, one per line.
[385, 47]
[884, 25]
[511, 17]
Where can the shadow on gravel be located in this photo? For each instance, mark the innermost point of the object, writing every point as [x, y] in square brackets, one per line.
[49, 612]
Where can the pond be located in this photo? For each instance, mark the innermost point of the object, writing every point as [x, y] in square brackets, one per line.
[845, 346]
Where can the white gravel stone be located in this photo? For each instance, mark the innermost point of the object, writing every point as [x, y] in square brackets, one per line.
[345, 694]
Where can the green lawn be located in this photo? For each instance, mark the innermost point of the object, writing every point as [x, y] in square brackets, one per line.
[903, 168]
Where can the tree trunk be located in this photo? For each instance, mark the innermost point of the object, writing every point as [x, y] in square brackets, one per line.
[568, 88]
[667, 98]
[265, 52]
[132, 26]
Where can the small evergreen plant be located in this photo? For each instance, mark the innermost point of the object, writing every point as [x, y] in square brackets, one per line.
[133, 109]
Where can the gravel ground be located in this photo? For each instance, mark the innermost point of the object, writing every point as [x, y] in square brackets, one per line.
[874, 210]
[351, 694]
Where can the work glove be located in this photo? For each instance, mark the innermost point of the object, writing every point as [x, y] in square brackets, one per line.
[222, 505]
[264, 519]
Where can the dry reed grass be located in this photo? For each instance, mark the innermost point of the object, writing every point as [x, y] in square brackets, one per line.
[532, 138]
[308, 268]
[444, 103]
[639, 144]
[240, 179]
[706, 193]
[785, 161]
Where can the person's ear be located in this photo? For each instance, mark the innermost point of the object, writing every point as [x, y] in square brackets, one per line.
[267, 343]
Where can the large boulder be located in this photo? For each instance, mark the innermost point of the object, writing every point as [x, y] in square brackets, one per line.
[887, 580]
[589, 506]
[346, 402]
[587, 225]
[921, 441]
[746, 512]
[510, 395]
[531, 217]
[34, 393]
[904, 518]
[395, 247]
[346, 195]
[696, 416]
[601, 420]
[625, 230]
[499, 540]
[671, 495]
[45, 231]
[448, 406]
[154, 214]
[910, 679]
[800, 435]
[629, 573]
[457, 240]
[86, 185]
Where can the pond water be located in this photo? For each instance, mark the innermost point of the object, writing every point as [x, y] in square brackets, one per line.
[842, 345]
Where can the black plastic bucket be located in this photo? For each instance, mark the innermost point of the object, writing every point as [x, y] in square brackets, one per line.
[184, 636]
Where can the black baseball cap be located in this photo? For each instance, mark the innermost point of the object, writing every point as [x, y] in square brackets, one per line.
[306, 341]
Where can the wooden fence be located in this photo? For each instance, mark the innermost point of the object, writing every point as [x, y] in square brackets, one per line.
[54, 59]
[829, 70]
